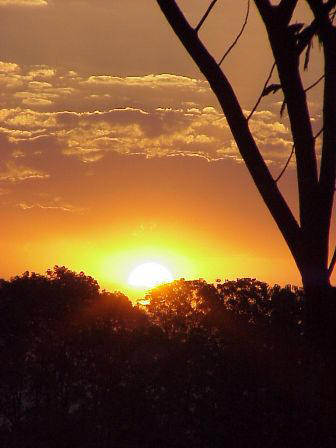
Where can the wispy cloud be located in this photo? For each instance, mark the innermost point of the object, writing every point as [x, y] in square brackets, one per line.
[31, 3]
[61, 208]
[152, 81]
[16, 173]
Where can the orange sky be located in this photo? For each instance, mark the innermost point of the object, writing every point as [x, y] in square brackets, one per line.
[114, 150]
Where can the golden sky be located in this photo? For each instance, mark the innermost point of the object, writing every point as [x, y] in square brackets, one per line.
[113, 150]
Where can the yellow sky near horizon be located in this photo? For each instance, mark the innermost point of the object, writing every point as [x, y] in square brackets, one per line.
[114, 151]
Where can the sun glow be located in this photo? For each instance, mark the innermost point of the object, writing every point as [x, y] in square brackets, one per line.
[148, 275]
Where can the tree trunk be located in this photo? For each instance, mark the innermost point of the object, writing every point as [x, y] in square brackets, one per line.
[320, 310]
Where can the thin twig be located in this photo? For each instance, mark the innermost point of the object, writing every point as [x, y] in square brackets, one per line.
[332, 263]
[318, 134]
[314, 84]
[239, 34]
[291, 155]
[282, 108]
[262, 92]
[286, 165]
[305, 90]
[203, 19]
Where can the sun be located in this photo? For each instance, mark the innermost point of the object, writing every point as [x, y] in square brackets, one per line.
[148, 275]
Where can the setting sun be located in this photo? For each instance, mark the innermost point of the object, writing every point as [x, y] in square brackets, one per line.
[148, 275]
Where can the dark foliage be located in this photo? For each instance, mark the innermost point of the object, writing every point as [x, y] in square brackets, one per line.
[201, 365]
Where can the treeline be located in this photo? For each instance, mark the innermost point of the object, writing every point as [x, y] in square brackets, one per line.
[196, 365]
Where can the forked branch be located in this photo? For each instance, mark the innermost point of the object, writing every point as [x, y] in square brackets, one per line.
[286, 9]
[238, 124]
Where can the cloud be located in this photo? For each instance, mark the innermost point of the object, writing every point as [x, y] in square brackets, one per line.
[36, 99]
[8, 67]
[41, 72]
[152, 81]
[59, 129]
[33, 3]
[16, 173]
[40, 86]
[10, 82]
[62, 208]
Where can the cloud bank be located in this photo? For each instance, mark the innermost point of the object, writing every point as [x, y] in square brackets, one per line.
[54, 121]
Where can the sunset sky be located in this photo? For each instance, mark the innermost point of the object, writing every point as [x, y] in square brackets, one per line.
[114, 150]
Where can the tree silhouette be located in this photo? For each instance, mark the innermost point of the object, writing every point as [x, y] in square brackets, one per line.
[84, 368]
[61, 340]
[308, 239]
[244, 309]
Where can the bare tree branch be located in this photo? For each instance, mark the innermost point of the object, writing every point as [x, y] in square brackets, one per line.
[203, 19]
[314, 83]
[283, 45]
[307, 55]
[332, 263]
[286, 165]
[239, 126]
[306, 35]
[328, 154]
[318, 134]
[239, 34]
[291, 155]
[305, 90]
[282, 108]
[286, 9]
[265, 8]
[262, 92]
[321, 12]
[309, 241]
